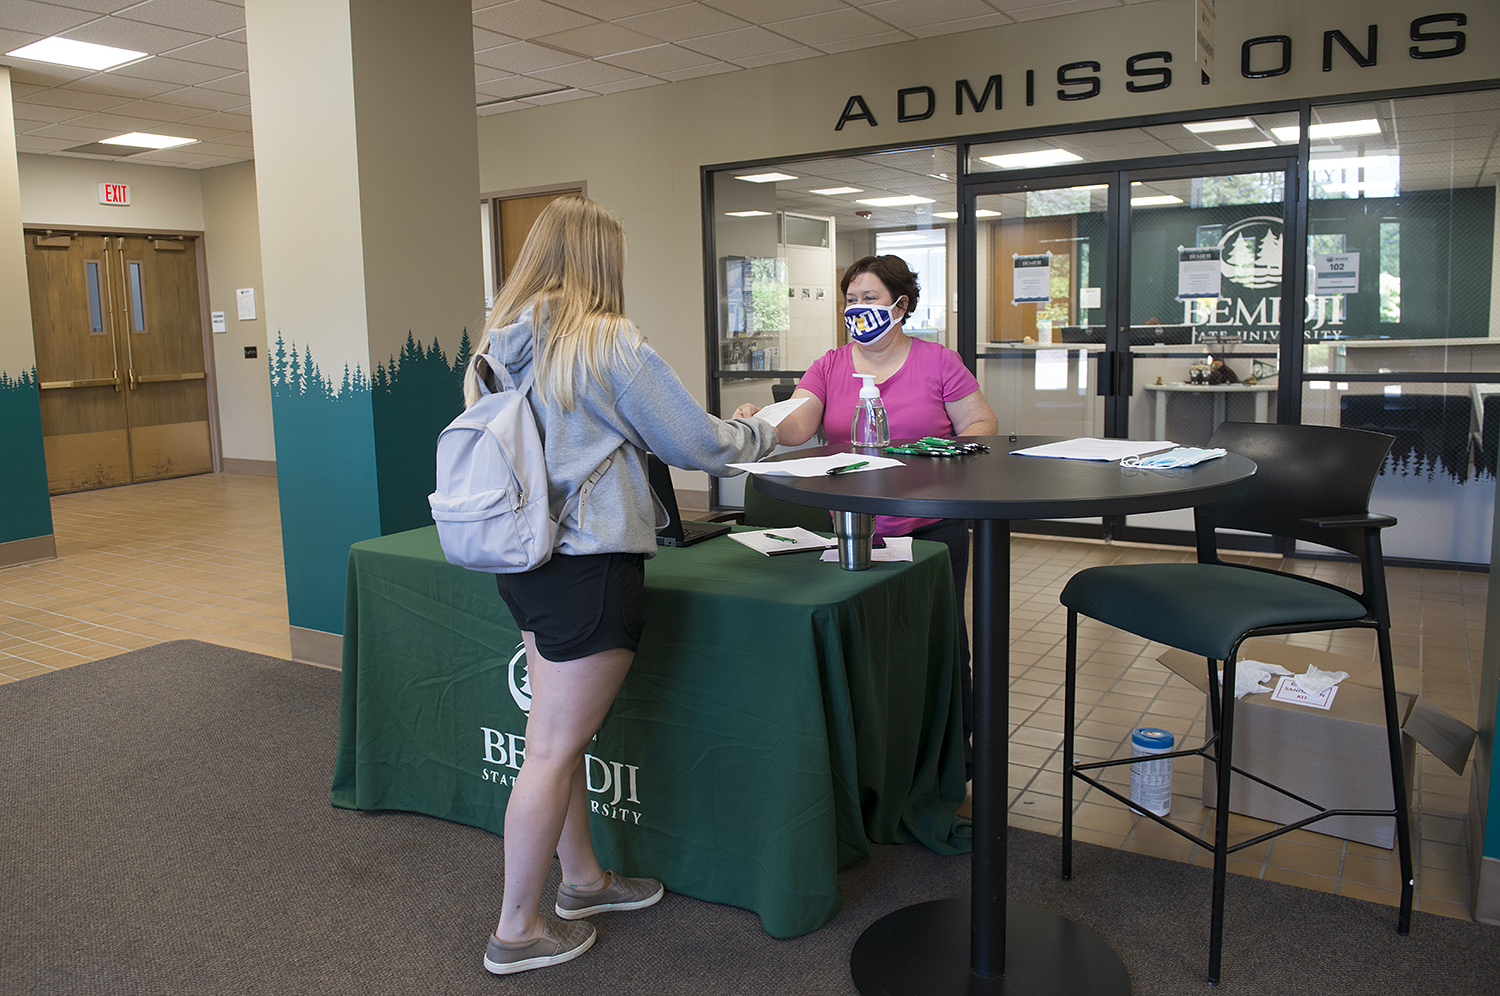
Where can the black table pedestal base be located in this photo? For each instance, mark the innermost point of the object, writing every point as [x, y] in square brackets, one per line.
[923, 950]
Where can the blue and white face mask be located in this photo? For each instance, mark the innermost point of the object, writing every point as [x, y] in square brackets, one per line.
[868, 323]
[1182, 456]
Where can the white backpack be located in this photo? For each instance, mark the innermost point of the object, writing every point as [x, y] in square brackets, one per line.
[490, 505]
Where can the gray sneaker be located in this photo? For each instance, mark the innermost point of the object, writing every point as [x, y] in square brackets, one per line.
[559, 942]
[619, 893]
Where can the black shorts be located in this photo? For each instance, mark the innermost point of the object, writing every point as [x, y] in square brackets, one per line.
[577, 606]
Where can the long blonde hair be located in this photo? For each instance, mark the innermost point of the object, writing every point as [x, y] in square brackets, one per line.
[572, 269]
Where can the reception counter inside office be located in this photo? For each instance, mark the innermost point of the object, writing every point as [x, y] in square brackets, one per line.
[781, 716]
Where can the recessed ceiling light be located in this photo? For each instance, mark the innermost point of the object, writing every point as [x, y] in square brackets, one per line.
[1020, 160]
[1344, 129]
[903, 201]
[1227, 124]
[978, 213]
[1092, 186]
[144, 140]
[78, 54]
[748, 214]
[766, 177]
[986, 213]
[1355, 162]
[1155, 199]
[830, 191]
[950, 215]
[1237, 146]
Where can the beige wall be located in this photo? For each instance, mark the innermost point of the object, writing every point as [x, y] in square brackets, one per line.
[231, 238]
[17, 352]
[60, 191]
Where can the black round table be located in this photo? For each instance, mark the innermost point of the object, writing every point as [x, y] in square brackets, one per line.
[988, 945]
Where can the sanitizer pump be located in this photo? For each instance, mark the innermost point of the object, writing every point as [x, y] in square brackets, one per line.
[869, 430]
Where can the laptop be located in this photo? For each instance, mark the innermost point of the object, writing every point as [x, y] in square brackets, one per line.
[677, 532]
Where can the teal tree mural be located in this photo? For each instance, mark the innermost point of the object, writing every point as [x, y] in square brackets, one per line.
[25, 510]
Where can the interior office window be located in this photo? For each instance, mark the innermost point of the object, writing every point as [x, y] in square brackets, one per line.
[137, 301]
[783, 233]
[1390, 271]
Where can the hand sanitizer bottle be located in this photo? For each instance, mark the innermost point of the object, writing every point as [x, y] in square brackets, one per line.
[869, 430]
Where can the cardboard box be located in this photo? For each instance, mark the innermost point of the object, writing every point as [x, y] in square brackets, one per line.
[1336, 757]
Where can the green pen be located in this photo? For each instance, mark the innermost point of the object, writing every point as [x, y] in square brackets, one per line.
[784, 539]
[847, 467]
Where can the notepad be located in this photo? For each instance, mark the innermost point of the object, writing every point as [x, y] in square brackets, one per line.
[792, 539]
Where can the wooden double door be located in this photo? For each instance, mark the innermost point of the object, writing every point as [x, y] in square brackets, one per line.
[119, 356]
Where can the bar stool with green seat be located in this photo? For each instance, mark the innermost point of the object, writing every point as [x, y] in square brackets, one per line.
[1312, 483]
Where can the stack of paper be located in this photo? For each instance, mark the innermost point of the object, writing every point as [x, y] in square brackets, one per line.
[793, 539]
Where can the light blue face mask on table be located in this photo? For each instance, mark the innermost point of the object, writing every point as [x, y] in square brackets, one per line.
[1182, 456]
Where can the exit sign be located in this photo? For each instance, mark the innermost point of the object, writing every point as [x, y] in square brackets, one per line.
[114, 193]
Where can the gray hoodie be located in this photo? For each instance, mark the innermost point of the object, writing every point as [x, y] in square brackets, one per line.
[640, 405]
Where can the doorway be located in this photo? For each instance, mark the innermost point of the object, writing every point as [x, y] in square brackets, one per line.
[119, 356]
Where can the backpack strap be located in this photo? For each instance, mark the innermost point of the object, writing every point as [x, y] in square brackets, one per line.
[483, 361]
[580, 498]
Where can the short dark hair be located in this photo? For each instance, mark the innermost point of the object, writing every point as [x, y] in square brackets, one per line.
[891, 271]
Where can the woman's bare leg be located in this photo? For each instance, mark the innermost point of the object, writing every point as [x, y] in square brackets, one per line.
[548, 808]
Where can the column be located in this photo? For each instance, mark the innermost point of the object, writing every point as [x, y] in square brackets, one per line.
[367, 177]
[25, 510]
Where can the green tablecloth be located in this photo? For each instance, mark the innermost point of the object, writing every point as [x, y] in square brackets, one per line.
[781, 715]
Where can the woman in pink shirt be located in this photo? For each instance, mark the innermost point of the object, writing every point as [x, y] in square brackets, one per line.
[926, 389]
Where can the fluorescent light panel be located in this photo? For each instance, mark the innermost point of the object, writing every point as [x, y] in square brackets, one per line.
[979, 213]
[78, 54]
[144, 140]
[1227, 124]
[1022, 160]
[902, 201]
[748, 214]
[766, 177]
[830, 191]
[1237, 146]
[1154, 199]
[1330, 129]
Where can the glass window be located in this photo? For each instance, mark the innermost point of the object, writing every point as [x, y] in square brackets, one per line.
[96, 311]
[137, 305]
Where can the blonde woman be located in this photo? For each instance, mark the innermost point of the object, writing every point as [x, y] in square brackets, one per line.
[600, 394]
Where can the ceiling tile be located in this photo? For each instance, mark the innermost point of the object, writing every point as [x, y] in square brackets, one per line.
[122, 86]
[169, 70]
[164, 157]
[868, 41]
[614, 10]
[484, 39]
[96, 6]
[203, 16]
[959, 26]
[72, 133]
[677, 75]
[584, 74]
[233, 56]
[686, 21]
[491, 109]
[909, 13]
[40, 146]
[38, 74]
[1029, 10]
[222, 119]
[634, 83]
[733, 46]
[598, 39]
[42, 18]
[197, 96]
[38, 115]
[524, 57]
[82, 102]
[529, 18]
[11, 40]
[135, 35]
[559, 97]
[238, 83]
[485, 74]
[833, 27]
[119, 124]
[515, 86]
[660, 60]
[772, 58]
[765, 11]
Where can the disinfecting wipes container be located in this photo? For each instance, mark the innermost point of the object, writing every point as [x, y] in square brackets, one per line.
[1151, 781]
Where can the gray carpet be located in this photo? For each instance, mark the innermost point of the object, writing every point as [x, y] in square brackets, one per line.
[166, 829]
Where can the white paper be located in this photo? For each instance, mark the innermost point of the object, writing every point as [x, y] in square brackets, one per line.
[1033, 279]
[246, 298]
[820, 465]
[1287, 690]
[1198, 272]
[774, 413]
[219, 326]
[1090, 297]
[1092, 448]
[1335, 273]
[792, 539]
[896, 549]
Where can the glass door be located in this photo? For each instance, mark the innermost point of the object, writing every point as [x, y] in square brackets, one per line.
[1044, 303]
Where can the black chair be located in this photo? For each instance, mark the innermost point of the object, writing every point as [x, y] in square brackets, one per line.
[1312, 483]
[782, 392]
[772, 513]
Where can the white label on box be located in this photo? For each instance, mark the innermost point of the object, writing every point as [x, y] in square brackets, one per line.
[1287, 690]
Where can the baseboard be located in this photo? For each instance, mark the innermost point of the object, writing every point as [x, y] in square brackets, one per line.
[1484, 873]
[28, 551]
[691, 501]
[257, 468]
[313, 646]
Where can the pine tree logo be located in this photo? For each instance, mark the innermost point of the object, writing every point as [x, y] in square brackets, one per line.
[1251, 251]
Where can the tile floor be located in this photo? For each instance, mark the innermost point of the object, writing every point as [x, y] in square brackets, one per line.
[200, 558]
